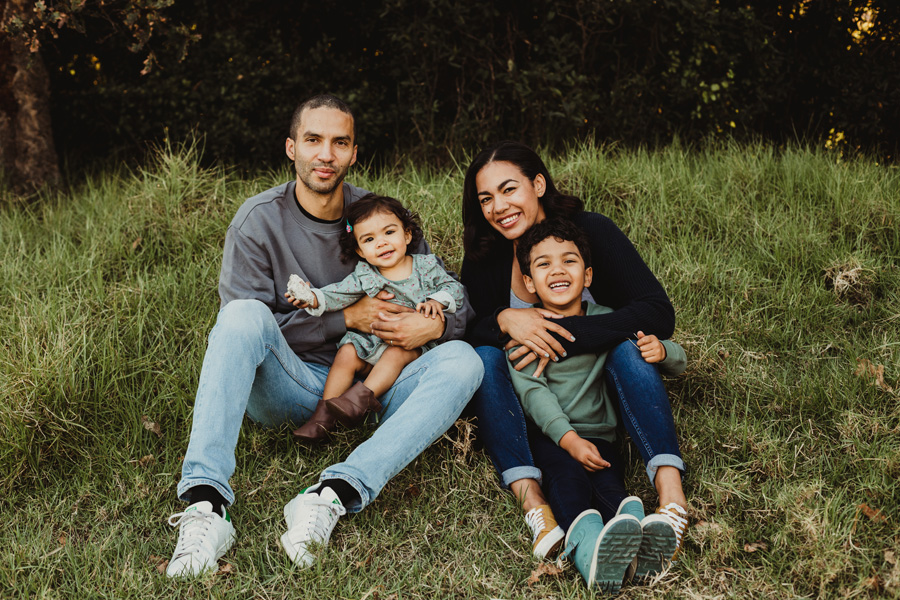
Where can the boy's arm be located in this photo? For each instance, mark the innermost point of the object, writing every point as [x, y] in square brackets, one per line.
[675, 361]
[539, 402]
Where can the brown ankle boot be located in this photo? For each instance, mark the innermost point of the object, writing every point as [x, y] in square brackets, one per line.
[318, 426]
[350, 407]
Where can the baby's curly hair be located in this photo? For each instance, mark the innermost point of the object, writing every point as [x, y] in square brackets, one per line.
[367, 206]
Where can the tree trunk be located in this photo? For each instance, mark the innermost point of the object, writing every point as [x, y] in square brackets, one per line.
[27, 151]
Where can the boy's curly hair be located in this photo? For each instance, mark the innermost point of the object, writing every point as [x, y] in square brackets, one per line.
[560, 229]
[367, 206]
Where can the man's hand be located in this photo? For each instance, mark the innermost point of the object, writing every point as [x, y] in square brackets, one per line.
[408, 330]
[365, 311]
[583, 451]
[652, 350]
[431, 308]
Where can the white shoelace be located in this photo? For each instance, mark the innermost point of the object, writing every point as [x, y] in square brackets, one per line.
[674, 513]
[535, 520]
[194, 529]
[314, 518]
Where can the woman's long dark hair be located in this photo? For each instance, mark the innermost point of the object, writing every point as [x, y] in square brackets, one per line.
[479, 238]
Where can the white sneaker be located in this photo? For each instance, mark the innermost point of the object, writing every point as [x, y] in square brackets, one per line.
[203, 537]
[311, 517]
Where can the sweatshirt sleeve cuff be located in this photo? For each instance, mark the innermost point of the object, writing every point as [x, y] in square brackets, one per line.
[333, 325]
[557, 428]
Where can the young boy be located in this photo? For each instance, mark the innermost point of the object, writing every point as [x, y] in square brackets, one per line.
[582, 469]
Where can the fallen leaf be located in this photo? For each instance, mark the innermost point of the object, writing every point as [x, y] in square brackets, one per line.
[136, 243]
[875, 583]
[872, 513]
[865, 367]
[890, 557]
[146, 460]
[412, 491]
[225, 569]
[62, 540]
[755, 546]
[151, 426]
[543, 569]
[159, 562]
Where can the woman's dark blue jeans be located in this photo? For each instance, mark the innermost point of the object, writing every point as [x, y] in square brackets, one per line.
[640, 396]
[572, 489]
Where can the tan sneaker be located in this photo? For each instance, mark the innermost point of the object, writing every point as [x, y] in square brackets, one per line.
[678, 518]
[546, 534]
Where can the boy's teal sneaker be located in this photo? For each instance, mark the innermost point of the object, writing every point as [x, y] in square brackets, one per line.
[657, 547]
[602, 553]
[632, 505]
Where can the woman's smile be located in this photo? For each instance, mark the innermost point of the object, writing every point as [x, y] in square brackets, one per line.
[509, 200]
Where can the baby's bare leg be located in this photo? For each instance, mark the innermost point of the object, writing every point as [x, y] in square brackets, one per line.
[387, 369]
[346, 365]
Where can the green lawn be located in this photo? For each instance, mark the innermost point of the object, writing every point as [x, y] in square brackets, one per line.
[782, 265]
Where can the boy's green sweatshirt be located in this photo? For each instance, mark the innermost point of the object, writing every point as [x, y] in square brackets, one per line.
[571, 394]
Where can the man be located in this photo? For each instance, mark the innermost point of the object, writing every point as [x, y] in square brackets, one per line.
[269, 360]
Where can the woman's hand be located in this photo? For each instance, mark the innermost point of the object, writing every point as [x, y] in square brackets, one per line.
[583, 451]
[530, 328]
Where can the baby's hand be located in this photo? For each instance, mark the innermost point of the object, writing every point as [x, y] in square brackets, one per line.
[299, 293]
[431, 308]
[583, 451]
[652, 350]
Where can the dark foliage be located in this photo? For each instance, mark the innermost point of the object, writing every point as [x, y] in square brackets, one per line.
[432, 75]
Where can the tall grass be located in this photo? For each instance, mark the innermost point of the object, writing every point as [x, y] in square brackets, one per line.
[782, 265]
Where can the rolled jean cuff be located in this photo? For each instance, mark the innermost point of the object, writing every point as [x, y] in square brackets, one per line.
[516, 473]
[365, 499]
[663, 460]
[184, 488]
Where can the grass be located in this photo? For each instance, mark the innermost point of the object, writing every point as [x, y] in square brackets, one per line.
[783, 268]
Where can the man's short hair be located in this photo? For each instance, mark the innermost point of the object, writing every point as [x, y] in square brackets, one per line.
[320, 101]
[560, 229]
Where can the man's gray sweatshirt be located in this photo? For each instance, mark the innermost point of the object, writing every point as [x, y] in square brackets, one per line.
[268, 240]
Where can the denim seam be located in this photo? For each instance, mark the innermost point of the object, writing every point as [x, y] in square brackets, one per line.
[625, 404]
[290, 374]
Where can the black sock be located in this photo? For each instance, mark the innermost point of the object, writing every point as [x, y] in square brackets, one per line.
[199, 493]
[345, 492]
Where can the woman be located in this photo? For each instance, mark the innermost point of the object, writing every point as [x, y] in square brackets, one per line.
[507, 189]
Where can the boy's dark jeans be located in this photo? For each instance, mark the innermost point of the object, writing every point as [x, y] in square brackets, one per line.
[572, 489]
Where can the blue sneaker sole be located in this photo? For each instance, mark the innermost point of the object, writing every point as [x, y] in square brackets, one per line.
[616, 548]
[657, 547]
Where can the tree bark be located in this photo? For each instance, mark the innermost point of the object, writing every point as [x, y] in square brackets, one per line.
[27, 150]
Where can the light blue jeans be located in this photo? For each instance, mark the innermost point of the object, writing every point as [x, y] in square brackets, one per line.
[249, 368]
